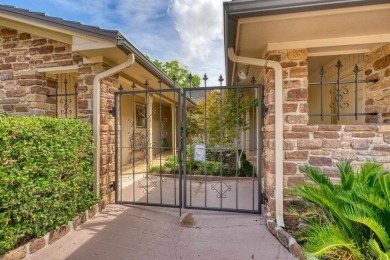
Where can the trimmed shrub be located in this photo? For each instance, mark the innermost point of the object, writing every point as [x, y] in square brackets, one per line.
[46, 176]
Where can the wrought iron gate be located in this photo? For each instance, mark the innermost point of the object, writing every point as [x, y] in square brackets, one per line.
[198, 148]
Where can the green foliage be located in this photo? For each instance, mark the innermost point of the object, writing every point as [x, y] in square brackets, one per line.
[353, 217]
[211, 167]
[46, 176]
[165, 143]
[222, 116]
[173, 68]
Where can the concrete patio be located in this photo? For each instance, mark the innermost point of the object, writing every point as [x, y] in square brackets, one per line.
[135, 232]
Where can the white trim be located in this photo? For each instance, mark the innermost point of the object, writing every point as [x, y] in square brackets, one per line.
[48, 31]
[82, 44]
[329, 42]
[54, 35]
[95, 59]
[299, 15]
[313, 53]
[62, 69]
[28, 23]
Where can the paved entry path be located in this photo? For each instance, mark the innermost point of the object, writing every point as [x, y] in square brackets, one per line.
[134, 232]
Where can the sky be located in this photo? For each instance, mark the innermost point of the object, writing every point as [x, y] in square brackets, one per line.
[190, 31]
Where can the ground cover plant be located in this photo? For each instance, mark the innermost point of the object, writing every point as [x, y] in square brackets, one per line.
[349, 220]
[212, 166]
[46, 176]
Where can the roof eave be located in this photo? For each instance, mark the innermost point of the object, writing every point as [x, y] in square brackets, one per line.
[244, 9]
[111, 35]
[61, 23]
[127, 47]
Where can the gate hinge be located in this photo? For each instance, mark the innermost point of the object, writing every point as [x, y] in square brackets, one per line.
[263, 198]
[264, 109]
[112, 111]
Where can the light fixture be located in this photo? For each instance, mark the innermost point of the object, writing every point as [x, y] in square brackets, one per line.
[243, 73]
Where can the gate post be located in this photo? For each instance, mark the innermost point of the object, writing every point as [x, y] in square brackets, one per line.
[173, 132]
[149, 129]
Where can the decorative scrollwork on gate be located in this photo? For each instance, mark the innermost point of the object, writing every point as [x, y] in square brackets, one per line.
[221, 188]
[148, 182]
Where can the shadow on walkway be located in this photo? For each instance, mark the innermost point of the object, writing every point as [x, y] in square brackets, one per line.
[134, 232]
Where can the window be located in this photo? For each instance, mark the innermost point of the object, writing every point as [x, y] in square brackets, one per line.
[337, 90]
[64, 94]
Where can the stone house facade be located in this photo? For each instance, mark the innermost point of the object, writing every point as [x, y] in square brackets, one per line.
[324, 145]
[301, 37]
[38, 52]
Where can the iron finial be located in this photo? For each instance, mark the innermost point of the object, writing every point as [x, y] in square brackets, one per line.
[65, 81]
[253, 80]
[190, 79]
[133, 86]
[220, 79]
[339, 64]
[146, 84]
[120, 87]
[322, 71]
[160, 81]
[356, 69]
[205, 78]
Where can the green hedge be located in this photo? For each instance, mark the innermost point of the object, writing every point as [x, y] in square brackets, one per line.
[46, 176]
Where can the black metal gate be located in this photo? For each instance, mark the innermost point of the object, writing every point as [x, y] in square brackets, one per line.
[198, 148]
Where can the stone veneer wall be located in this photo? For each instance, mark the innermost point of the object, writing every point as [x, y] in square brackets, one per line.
[23, 91]
[322, 146]
[107, 137]
[378, 94]
[295, 109]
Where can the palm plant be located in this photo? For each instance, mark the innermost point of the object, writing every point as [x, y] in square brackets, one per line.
[357, 212]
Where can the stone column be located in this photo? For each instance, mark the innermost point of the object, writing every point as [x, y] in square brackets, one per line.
[295, 113]
[377, 66]
[107, 137]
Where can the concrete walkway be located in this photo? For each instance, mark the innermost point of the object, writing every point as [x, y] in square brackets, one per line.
[135, 232]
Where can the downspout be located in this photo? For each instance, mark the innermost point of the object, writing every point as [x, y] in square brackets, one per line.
[278, 125]
[96, 116]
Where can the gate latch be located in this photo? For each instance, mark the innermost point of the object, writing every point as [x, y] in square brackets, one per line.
[112, 111]
[112, 185]
[263, 198]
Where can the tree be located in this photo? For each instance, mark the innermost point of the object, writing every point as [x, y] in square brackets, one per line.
[222, 117]
[174, 69]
